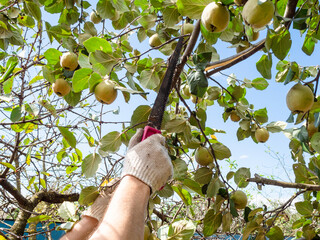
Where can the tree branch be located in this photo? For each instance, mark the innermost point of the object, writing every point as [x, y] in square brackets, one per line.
[14, 192]
[230, 61]
[53, 197]
[187, 52]
[265, 181]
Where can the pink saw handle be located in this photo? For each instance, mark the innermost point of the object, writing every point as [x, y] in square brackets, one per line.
[149, 131]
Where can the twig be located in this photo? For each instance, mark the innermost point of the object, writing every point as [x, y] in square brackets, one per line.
[265, 181]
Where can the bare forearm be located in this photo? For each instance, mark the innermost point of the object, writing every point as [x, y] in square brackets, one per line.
[81, 230]
[125, 216]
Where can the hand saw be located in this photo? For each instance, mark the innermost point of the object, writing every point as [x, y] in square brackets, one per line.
[157, 111]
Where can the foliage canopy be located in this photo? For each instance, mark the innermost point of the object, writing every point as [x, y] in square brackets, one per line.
[52, 147]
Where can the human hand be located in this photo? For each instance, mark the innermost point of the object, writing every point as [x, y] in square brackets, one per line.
[148, 160]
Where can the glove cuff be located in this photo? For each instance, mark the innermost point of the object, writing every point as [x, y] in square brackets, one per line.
[96, 212]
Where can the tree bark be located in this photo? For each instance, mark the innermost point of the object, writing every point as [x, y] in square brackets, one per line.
[27, 205]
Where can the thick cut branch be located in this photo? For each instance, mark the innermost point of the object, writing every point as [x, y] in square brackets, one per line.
[230, 61]
[53, 197]
[192, 42]
[266, 181]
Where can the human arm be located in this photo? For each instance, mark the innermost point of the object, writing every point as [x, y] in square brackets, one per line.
[127, 210]
[90, 219]
[147, 168]
[82, 229]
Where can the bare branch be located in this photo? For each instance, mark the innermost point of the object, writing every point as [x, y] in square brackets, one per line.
[265, 181]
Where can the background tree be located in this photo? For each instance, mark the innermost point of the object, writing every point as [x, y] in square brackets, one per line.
[59, 57]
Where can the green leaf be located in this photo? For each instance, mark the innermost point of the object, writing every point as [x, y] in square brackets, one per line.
[276, 126]
[16, 38]
[123, 20]
[52, 55]
[237, 92]
[249, 228]
[183, 194]
[166, 192]
[105, 9]
[38, 218]
[80, 79]
[315, 142]
[201, 60]
[240, 177]
[281, 44]
[102, 62]
[26, 21]
[68, 136]
[43, 183]
[149, 78]
[226, 222]
[170, 16]
[197, 82]
[89, 28]
[70, 44]
[213, 187]
[176, 125]
[259, 83]
[304, 208]
[140, 115]
[59, 31]
[111, 142]
[73, 98]
[275, 233]
[93, 80]
[211, 222]
[123, 89]
[90, 164]
[69, 16]
[33, 9]
[148, 21]
[203, 175]
[96, 43]
[181, 230]
[47, 74]
[309, 45]
[261, 115]
[84, 61]
[15, 114]
[264, 66]
[120, 5]
[251, 214]
[48, 106]
[298, 224]
[180, 169]
[8, 165]
[192, 185]
[192, 8]
[221, 151]
[88, 195]
[10, 66]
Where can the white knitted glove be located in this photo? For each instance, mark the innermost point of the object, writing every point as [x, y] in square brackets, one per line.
[100, 205]
[148, 160]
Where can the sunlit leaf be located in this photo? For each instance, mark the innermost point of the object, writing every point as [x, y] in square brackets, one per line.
[90, 164]
[88, 195]
[111, 142]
